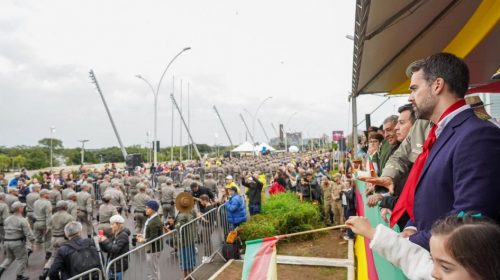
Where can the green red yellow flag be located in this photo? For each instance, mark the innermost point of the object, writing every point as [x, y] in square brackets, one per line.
[260, 259]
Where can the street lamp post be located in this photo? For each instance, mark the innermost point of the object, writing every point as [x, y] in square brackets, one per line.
[285, 128]
[155, 93]
[83, 149]
[256, 112]
[52, 131]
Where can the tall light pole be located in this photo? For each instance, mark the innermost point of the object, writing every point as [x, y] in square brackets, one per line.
[256, 112]
[155, 93]
[52, 131]
[285, 128]
[83, 149]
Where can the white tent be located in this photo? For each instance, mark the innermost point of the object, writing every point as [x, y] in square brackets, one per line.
[243, 148]
[293, 149]
[262, 145]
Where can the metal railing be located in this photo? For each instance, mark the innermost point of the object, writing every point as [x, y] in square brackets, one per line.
[224, 225]
[156, 259]
[199, 242]
[93, 274]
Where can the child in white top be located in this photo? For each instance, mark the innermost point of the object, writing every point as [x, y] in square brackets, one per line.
[462, 247]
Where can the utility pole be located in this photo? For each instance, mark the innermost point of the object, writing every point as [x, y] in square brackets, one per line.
[83, 150]
[248, 131]
[185, 125]
[94, 81]
[275, 130]
[180, 128]
[263, 130]
[52, 131]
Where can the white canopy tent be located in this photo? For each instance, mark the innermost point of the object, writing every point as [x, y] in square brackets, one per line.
[264, 145]
[244, 148]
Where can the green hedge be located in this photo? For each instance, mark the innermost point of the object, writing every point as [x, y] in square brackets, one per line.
[282, 213]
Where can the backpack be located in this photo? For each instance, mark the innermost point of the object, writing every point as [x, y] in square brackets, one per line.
[231, 251]
[83, 258]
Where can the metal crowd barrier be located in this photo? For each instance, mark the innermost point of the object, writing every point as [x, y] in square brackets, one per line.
[224, 225]
[89, 275]
[198, 242]
[156, 259]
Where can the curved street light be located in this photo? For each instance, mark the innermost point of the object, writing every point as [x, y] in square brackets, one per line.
[256, 112]
[155, 94]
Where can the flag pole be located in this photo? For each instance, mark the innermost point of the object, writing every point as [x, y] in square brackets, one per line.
[310, 231]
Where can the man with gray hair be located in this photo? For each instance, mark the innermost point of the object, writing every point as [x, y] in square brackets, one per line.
[75, 256]
[18, 238]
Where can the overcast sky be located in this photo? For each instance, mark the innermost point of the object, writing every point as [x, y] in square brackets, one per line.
[242, 52]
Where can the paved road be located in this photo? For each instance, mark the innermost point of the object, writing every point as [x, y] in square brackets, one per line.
[169, 261]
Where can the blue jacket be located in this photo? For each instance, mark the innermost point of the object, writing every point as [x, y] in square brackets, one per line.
[460, 174]
[236, 210]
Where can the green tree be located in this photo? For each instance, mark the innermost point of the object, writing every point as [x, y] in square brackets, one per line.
[19, 162]
[56, 143]
[4, 162]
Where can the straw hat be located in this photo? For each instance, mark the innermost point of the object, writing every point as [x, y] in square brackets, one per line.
[184, 202]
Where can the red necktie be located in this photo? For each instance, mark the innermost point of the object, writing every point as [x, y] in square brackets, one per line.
[407, 197]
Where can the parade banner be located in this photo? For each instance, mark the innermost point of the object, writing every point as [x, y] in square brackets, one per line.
[260, 259]
[371, 265]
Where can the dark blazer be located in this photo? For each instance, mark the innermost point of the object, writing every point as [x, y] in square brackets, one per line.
[154, 230]
[460, 174]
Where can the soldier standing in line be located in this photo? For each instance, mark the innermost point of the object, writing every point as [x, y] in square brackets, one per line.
[70, 188]
[106, 211]
[103, 186]
[18, 238]
[326, 193]
[11, 197]
[139, 204]
[167, 198]
[59, 220]
[33, 196]
[132, 190]
[4, 213]
[42, 212]
[117, 197]
[211, 184]
[84, 208]
[71, 201]
[55, 195]
[186, 182]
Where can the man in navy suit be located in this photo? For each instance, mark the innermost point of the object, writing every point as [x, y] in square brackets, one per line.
[461, 170]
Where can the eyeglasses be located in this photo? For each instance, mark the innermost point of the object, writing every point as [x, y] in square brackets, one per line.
[374, 141]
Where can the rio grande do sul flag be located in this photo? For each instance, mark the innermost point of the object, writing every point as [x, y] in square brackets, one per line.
[260, 259]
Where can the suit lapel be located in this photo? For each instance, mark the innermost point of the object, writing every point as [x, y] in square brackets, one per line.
[446, 134]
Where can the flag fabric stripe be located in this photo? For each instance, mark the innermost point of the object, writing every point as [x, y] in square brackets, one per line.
[260, 259]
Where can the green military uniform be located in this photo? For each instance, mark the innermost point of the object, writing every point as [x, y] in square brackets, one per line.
[84, 212]
[4, 213]
[326, 190]
[106, 211]
[211, 184]
[18, 238]
[167, 199]
[382, 155]
[54, 197]
[117, 199]
[42, 213]
[139, 205]
[399, 164]
[59, 220]
[10, 199]
[30, 202]
[337, 203]
[66, 192]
